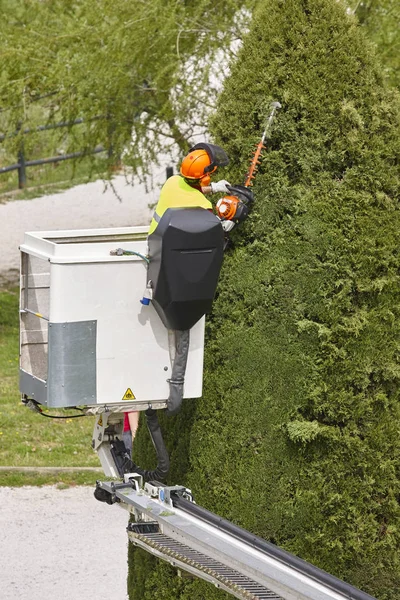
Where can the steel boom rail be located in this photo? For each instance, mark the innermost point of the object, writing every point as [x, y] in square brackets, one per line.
[169, 525]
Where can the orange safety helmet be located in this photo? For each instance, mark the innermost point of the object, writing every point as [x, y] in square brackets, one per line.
[202, 160]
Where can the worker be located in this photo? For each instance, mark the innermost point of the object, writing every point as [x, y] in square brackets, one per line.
[188, 188]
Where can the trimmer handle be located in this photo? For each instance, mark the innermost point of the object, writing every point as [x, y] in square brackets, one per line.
[242, 192]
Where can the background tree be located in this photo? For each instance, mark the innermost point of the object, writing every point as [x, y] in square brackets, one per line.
[381, 18]
[150, 70]
[296, 435]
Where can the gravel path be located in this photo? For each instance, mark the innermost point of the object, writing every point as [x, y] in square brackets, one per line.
[61, 544]
[81, 207]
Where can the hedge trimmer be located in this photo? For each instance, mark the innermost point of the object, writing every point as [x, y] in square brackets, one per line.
[235, 207]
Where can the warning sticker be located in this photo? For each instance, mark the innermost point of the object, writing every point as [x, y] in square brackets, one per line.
[129, 395]
[100, 421]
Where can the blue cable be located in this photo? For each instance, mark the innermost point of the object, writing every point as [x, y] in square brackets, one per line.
[122, 252]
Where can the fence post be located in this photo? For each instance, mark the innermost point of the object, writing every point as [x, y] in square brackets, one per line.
[114, 161]
[169, 171]
[21, 168]
[21, 163]
[110, 131]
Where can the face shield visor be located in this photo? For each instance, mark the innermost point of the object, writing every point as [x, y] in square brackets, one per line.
[218, 157]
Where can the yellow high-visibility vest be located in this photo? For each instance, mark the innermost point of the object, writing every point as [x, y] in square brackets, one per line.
[176, 193]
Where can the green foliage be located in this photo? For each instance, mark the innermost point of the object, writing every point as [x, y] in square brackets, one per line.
[322, 255]
[61, 479]
[296, 435]
[381, 18]
[143, 67]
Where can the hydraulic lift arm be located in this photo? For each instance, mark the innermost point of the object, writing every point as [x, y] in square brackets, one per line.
[169, 525]
[115, 459]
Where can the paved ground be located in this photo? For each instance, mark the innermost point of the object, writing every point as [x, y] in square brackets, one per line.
[61, 544]
[81, 207]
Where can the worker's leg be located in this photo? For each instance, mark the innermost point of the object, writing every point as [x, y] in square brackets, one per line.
[133, 423]
[129, 436]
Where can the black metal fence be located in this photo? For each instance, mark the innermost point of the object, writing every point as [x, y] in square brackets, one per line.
[22, 164]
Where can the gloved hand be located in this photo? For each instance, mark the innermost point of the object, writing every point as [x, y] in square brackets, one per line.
[220, 186]
[227, 225]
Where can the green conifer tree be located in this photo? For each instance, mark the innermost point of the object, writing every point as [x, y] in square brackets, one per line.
[381, 18]
[296, 435]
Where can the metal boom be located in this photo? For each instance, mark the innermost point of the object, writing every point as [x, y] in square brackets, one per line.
[169, 525]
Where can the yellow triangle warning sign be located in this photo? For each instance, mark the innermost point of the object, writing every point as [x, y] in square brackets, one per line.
[129, 395]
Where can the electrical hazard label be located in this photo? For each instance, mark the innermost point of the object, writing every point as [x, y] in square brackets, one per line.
[129, 395]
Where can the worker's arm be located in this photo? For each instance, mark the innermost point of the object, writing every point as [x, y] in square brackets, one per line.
[214, 188]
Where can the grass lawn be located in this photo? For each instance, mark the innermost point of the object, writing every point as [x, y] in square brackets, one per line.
[26, 438]
[61, 480]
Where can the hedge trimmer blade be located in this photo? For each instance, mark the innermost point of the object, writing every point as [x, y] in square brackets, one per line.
[255, 161]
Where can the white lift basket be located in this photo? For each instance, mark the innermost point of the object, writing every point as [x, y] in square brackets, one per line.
[86, 339]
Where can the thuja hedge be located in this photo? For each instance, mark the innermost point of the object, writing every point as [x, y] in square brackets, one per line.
[296, 437]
